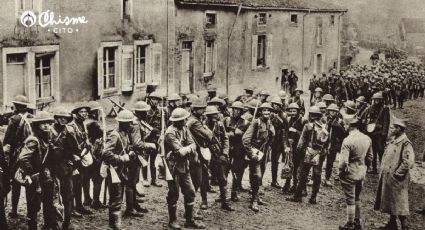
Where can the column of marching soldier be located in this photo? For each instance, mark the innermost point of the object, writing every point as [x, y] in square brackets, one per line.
[200, 141]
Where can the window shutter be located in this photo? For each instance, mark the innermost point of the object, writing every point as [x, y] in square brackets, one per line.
[118, 68]
[254, 51]
[269, 47]
[100, 72]
[156, 62]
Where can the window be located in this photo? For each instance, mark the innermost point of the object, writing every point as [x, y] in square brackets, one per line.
[261, 51]
[332, 20]
[126, 9]
[23, 5]
[262, 18]
[43, 77]
[18, 58]
[210, 19]
[294, 18]
[109, 73]
[141, 64]
[319, 34]
[209, 56]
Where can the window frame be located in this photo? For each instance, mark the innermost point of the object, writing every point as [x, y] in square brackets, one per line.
[102, 92]
[263, 50]
[319, 35]
[293, 23]
[332, 20]
[259, 19]
[213, 57]
[148, 62]
[206, 23]
[42, 83]
[29, 78]
[124, 16]
[37, 7]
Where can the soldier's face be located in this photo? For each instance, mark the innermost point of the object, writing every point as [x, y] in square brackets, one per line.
[297, 94]
[263, 97]
[44, 126]
[213, 117]
[323, 110]
[83, 113]
[395, 130]
[331, 113]
[318, 94]
[276, 107]
[62, 120]
[179, 124]
[198, 111]
[292, 112]
[266, 113]
[154, 102]
[236, 112]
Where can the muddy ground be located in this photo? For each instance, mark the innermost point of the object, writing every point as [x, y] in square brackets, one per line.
[329, 213]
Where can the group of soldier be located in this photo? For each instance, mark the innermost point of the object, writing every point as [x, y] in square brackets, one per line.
[200, 141]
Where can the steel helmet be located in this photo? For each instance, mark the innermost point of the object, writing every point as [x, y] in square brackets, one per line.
[20, 100]
[282, 94]
[314, 110]
[198, 103]
[264, 92]
[266, 105]
[276, 100]
[350, 105]
[361, 99]
[211, 110]
[237, 105]
[321, 105]
[293, 106]
[211, 88]
[223, 96]
[333, 107]
[61, 112]
[42, 116]
[94, 105]
[299, 90]
[377, 95]
[125, 116]
[328, 97]
[318, 89]
[249, 88]
[350, 119]
[179, 114]
[216, 101]
[141, 106]
[79, 106]
[253, 103]
[155, 94]
[174, 97]
[399, 122]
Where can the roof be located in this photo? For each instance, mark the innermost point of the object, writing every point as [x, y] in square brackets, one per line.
[296, 5]
[414, 25]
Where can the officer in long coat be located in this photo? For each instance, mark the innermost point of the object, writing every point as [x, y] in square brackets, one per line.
[393, 188]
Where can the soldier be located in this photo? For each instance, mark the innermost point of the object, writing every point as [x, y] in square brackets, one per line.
[202, 137]
[256, 140]
[179, 146]
[356, 149]
[293, 80]
[247, 96]
[297, 99]
[4, 187]
[280, 143]
[17, 131]
[361, 106]
[377, 118]
[263, 96]
[394, 177]
[317, 96]
[295, 127]
[283, 98]
[212, 92]
[37, 160]
[65, 145]
[328, 99]
[252, 107]
[118, 153]
[95, 136]
[141, 145]
[154, 119]
[314, 83]
[174, 101]
[81, 178]
[235, 127]
[349, 108]
[310, 147]
[337, 134]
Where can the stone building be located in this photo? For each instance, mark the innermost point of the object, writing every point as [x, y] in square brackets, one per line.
[114, 48]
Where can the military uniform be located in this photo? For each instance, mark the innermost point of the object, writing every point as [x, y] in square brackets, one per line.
[280, 142]
[337, 134]
[4, 187]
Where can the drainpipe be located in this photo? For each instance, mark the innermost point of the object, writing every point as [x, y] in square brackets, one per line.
[228, 49]
[338, 67]
[302, 50]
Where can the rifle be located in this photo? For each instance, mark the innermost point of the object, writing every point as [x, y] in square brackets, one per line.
[168, 176]
[102, 114]
[144, 123]
[256, 110]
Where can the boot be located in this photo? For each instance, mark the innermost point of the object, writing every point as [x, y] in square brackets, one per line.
[204, 205]
[292, 189]
[190, 222]
[348, 226]
[357, 224]
[234, 197]
[225, 206]
[198, 216]
[313, 199]
[97, 205]
[262, 202]
[68, 226]
[391, 225]
[132, 213]
[172, 223]
[274, 184]
[286, 188]
[153, 179]
[295, 199]
[138, 208]
[32, 224]
[254, 206]
[115, 221]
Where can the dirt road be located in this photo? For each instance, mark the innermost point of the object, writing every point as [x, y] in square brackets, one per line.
[329, 213]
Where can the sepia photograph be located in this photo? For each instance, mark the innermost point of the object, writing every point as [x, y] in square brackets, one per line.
[212, 114]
